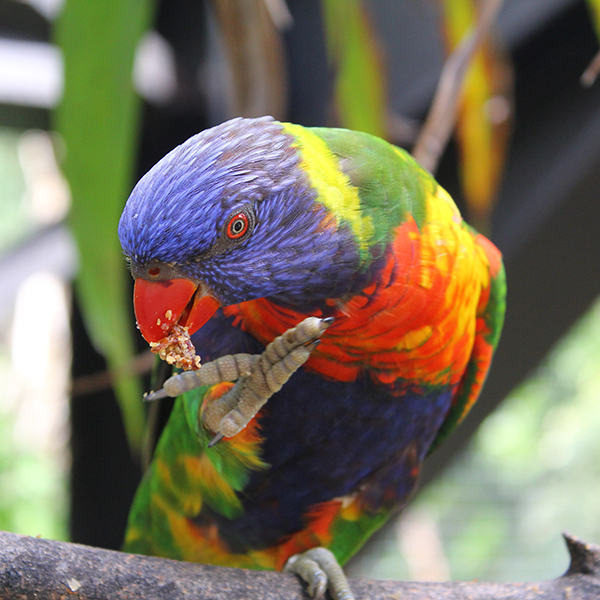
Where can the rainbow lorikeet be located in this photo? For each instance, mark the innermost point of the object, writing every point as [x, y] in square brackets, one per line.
[238, 235]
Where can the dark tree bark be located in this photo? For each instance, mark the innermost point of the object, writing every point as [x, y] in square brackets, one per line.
[49, 570]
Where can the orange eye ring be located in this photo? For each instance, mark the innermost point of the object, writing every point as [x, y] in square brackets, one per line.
[237, 226]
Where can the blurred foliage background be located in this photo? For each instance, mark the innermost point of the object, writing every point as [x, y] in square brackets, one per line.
[93, 92]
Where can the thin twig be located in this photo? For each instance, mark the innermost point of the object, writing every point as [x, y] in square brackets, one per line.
[439, 124]
[591, 73]
[103, 380]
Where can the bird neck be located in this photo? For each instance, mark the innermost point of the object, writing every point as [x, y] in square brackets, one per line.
[365, 320]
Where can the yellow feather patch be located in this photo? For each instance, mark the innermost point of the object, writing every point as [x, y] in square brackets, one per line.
[171, 485]
[132, 535]
[203, 475]
[350, 509]
[332, 185]
[414, 339]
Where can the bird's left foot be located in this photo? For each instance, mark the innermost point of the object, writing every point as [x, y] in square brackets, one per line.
[321, 571]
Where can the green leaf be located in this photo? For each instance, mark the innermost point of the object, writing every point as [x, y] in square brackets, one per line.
[360, 93]
[98, 121]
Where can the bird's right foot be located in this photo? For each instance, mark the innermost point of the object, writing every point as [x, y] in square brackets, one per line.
[257, 377]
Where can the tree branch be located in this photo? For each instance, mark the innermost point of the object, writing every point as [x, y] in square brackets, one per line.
[49, 570]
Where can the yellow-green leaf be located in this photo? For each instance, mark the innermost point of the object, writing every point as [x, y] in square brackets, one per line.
[483, 119]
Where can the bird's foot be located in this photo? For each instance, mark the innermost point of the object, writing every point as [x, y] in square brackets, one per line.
[321, 571]
[270, 370]
[258, 377]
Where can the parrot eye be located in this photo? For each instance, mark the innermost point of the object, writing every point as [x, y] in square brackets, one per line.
[154, 271]
[238, 225]
[236, 229]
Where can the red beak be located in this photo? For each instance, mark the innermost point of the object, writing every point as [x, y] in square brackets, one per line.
[159, 305]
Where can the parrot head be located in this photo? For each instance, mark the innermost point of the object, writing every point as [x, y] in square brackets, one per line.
[232, 215]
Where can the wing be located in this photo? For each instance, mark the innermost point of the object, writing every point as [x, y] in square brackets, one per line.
[490, 318]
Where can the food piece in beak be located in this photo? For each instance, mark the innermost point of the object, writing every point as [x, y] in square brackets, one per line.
[177, 349]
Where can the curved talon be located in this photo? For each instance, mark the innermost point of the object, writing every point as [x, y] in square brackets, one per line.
[158, 395]
[312, 345]
[320, 569]
[215, 440]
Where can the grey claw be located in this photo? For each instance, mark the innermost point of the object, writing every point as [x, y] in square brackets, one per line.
[216, 439]
[312, 344]
[152, 396]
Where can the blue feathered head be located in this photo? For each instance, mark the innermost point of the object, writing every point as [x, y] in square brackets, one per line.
[232, 211]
